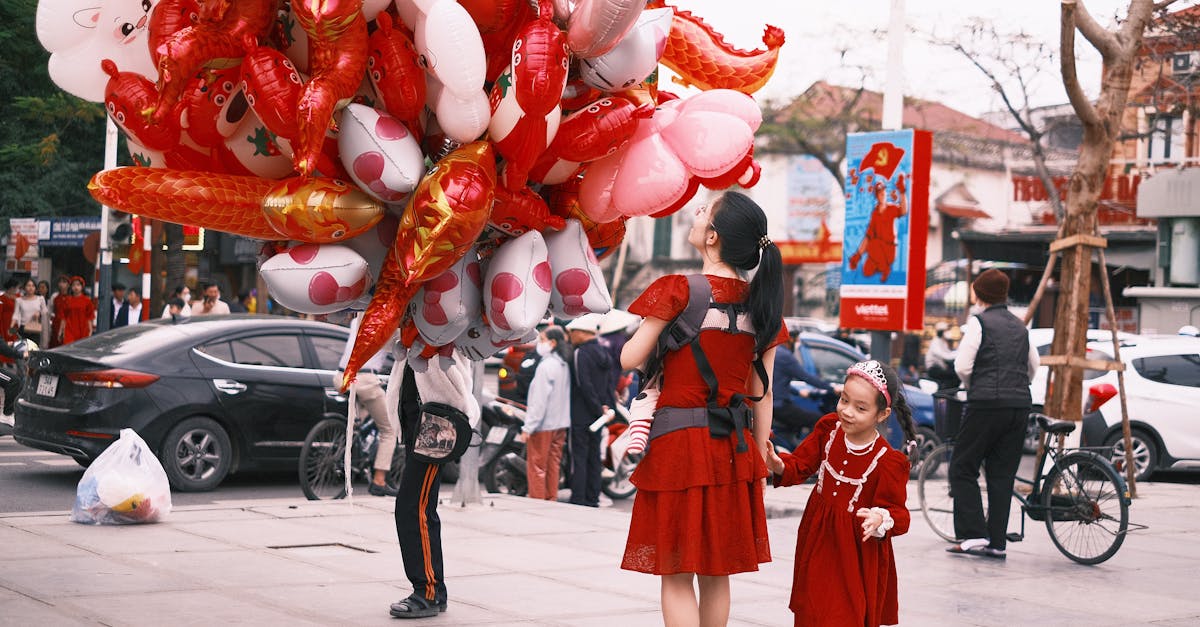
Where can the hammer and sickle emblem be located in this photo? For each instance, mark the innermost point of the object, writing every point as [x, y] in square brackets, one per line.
[881, 158]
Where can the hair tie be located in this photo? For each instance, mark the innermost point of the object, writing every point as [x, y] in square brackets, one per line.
[763, 242]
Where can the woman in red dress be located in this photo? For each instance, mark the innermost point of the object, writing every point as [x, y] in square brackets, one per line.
[845, 571]
[699, 509]
[77, 312]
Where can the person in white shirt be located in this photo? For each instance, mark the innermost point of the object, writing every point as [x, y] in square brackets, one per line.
[939, 359]
[368, 390]
[183, 295]
[211, 304]
[118, 301]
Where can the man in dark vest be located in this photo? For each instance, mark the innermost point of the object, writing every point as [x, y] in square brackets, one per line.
[995, 362]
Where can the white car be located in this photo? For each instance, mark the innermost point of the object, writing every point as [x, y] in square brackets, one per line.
[1162, 389]
[1099, 347]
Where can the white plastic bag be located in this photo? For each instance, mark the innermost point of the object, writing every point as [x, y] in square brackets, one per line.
[125, 484]
[633, 440]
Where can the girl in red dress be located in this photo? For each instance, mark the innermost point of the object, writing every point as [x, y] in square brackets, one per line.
[77, 311]
[845, 572]
[699, 513]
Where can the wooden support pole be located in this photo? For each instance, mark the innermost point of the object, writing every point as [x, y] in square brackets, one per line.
[1041, 289]
[1110, 312]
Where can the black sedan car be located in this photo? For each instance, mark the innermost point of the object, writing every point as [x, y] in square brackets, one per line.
[211, 394]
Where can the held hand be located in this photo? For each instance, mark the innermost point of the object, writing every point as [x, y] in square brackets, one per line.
[871, 522]
[774, 463]
[522, 437]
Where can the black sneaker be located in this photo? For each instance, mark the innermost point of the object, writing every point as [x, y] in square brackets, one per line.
[416, 606]
[381, 490]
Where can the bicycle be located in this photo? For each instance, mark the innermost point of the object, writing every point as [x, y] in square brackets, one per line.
[1079, 495]
[322, 458]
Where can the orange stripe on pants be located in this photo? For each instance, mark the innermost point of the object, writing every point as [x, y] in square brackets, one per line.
[430, 590]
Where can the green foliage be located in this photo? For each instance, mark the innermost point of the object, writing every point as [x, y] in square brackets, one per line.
[51, 143]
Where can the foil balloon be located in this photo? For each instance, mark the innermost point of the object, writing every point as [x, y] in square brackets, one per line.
[449, 42]
[316, 278]
[231, 204]
[596, 26]
[591, 133]
[170, 17]
[337, 58]
[633, 59]
[79, 34]
[254, 149]
[519, 137]
[578, 284]
[444, 217]
[272, 85]
[126, 94]
[540, 60]
[382, 157]
[320, 210]
[701, 58]
[516, 286]
[516, 213]
[462, 119]
[213, 106]
[603, 237]
[215, 40]
[492, 15]
[392, 66]
[479, 341]
[447, 304]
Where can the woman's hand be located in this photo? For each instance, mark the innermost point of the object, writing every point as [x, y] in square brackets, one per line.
[871, 522]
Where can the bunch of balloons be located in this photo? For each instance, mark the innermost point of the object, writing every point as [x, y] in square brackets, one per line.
[455, 167]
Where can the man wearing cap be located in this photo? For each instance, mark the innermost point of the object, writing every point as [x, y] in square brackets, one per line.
[592, 394]
[995, 362]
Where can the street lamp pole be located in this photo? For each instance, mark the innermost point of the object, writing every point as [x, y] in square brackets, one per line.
[893, 120]
[104, 312]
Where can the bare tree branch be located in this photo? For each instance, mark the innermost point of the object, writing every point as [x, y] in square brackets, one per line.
[1103, 39]
[1163, 4]
[1083, 107]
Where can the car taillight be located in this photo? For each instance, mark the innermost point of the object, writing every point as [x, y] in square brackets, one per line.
[112, 378]
[1098, 395]
[502, 372]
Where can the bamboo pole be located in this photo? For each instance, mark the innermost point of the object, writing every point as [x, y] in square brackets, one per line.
[1110, 312]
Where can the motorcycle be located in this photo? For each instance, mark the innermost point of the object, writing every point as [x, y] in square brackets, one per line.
[784, 437]
[504, 468]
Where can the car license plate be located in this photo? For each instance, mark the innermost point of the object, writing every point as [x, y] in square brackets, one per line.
[47, 384]
[496, 435]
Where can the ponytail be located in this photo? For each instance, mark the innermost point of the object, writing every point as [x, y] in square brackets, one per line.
[903, 412]
[742, 227]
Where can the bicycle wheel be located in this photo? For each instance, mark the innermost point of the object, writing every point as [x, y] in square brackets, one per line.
[397, 470]
[321, 474]
[933, 491]
[1087, 512]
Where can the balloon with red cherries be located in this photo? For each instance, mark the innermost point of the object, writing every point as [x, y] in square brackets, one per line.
[454, 168]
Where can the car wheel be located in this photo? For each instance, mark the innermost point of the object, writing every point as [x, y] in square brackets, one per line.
[1145, 453]
[196, 455]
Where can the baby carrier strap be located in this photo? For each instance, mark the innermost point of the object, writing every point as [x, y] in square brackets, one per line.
[683, 330]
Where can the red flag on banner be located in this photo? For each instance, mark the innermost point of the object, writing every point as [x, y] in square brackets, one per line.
[883, 159]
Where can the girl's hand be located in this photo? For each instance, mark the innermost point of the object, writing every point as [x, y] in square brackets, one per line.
[774, 463]
[871, 522]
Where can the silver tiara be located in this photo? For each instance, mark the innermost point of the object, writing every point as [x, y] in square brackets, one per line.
[872, 371]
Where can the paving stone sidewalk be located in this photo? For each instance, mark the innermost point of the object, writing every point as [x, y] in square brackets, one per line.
[513, 561]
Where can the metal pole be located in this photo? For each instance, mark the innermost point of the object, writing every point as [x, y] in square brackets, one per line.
[893, 119]
[146, 266]
[104, 312]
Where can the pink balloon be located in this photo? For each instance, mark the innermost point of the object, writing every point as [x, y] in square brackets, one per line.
[708, 143]
[734, 103]
[651, 178]
[595, 192]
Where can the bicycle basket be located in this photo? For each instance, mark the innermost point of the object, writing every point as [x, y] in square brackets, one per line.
[948, 412]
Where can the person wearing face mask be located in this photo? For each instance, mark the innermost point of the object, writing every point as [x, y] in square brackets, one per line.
[549, 414]
[183, 294]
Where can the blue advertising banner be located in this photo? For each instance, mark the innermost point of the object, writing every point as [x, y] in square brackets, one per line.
[887, 222]
[67, 231]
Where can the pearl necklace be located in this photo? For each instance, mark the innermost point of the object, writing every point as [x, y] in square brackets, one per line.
[859, 449]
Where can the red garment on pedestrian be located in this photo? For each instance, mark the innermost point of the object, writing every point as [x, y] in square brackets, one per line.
[77, 313]
[699, 505]
[8, 306]
[839, 578]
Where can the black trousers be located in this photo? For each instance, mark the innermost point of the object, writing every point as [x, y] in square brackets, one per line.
[420, 530]
[585, 466]
[992, 437]
[793, 418]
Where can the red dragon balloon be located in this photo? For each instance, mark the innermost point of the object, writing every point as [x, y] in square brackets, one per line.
[702, 58]
[125, 95]
[394, 70]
